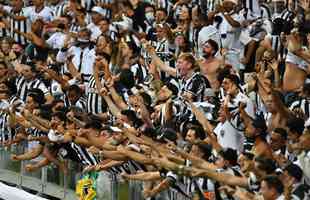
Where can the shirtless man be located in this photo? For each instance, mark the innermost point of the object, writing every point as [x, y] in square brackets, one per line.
[297, 65]
[210, 66]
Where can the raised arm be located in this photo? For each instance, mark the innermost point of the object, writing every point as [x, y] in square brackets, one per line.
[158, 62]
[54, 75]
[143, 176]
[140, 158]
[163, 185]
[224, 178]
[112, 107]
[202, 119]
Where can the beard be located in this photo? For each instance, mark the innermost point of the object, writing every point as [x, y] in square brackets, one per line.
[207, 55]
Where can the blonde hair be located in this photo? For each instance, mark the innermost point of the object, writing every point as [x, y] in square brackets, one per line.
[189, 58]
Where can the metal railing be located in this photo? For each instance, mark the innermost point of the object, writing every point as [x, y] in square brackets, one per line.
[50, 181]
[47, 181]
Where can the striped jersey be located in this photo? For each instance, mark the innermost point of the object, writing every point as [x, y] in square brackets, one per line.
[35, 132]
[23, 86]
[59, 9]
[108, 12]
[303, 104]
[22, 26]
[195, 85]
[84, 156]
[95, 102]
[81, 102]
[6, 132]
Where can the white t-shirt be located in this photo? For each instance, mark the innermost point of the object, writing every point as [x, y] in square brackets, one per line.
[46, 14]
[228, 136]
[57, 40]
[231, 39]
[95, 31]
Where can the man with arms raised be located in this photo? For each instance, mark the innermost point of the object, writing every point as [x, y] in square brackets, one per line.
[210, 65]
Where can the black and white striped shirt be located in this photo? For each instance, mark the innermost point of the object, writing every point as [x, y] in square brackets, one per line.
[59, 9]
[74, 28]
[3, 31]
[193, 38]
[22, 26]
[81, 102]
[275, 43]
[265, 11]
[139, 72]
[23, 86]
[286, 15]
[84, 156]
[6, 132]
[95, 102]
[130, 166]
[88, 4]
[165, 52]
[196, 85]
[165, 4]
[35, 132]
[108, 12]
[303, 104]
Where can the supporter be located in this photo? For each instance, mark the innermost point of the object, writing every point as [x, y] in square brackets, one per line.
[272, 188]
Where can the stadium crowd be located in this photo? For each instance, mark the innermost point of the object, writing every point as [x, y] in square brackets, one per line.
[185, 99]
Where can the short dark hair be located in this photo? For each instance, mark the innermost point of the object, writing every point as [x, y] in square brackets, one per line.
[296, 125]
[294, 171]
[282, 132]
[132, 116]
[94, 124]
[206, 149]
[233, 78]
[173, 88]
[274, 182]
[12, 89]
[147, 99]
[199, 131]
[230, 155]
[127, 78]
[75, 88]
[214, 45]
[266, 164]
[222, 74]
[37, 95]
[61, 115]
